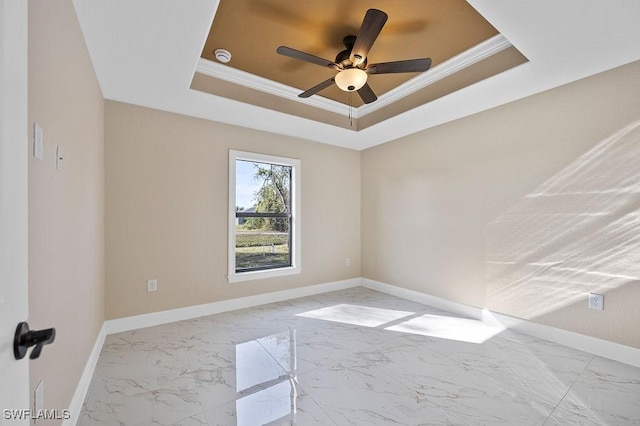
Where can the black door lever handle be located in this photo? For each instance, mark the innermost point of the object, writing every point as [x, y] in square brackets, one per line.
[25, 338]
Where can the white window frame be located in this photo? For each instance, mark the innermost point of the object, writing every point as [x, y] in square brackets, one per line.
[296, 242]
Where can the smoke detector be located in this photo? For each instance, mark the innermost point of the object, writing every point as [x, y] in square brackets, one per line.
[222, 55]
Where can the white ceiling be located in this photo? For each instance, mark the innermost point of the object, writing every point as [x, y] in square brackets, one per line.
[145, 52]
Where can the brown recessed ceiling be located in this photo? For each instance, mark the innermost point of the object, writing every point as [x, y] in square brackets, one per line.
[252, 30]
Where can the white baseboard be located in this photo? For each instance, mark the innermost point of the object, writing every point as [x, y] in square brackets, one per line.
[425, 299]
[590, 344]
[75, 407]
[165, 317]
[600, 347]
[157, 318]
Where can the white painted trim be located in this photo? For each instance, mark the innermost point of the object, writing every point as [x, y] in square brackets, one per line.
[260, 275]
[600, 347]
[130, 71]
[75, 406]
[164, 317]
[463, 60]
[296, 227]
[425, 299]
[242, 78]
[481, 51]
[14, 237]
[589, 344]
[231, 220]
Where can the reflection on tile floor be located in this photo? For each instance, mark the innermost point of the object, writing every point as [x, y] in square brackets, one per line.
[352, 357]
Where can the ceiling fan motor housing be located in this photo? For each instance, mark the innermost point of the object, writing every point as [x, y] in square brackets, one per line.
[342, 58]
[351, 63]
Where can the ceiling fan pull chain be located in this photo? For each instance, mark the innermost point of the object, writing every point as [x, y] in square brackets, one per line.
[350, 115]
[351, 63]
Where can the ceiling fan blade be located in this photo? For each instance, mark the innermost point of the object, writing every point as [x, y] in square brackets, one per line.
[366, 93]
[318, 87]
[410, 65]
[296, 54]
[371, 26]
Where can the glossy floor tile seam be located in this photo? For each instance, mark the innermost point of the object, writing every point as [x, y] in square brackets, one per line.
[397, 337]
[465, 373]
[340, 359]
[480, 372]
[557, 405]
[590, 374]
[424, 398]
[328, 414]
[318, 367]
[570, 386]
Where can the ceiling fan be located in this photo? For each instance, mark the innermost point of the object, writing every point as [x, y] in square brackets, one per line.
[351, 63]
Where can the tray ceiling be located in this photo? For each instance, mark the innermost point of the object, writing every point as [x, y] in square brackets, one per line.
[252, 30]
[147, 52]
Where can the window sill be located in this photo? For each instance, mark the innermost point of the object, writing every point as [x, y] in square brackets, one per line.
[258, 275]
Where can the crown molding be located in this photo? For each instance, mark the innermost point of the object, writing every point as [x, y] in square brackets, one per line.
[477, 53]
[243, 78]
[463, 60]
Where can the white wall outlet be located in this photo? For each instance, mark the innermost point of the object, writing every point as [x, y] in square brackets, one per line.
[596, 301]
[347, 262]
[38, 398]
[152, 285]
[38, 142]
[59, 157]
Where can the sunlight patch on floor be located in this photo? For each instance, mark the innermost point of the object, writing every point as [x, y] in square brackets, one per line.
[451, 328]
[365, 316]
[440, 326]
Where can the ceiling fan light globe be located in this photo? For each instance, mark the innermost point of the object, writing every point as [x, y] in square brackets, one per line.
[351, 79]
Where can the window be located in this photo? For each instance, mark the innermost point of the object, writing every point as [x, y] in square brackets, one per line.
[264, 218]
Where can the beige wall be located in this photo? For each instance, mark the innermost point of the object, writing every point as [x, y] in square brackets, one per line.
[166, 217]
[453, 211]
[66, 208]
[521, 209]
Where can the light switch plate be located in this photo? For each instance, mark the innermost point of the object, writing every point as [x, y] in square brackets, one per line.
[38, 142]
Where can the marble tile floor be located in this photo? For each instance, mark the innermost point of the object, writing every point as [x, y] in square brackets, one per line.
[352, 357]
